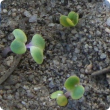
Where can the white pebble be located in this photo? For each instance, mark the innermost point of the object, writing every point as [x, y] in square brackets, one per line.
[107, 30]
[108, 21]
[5, 11]
[27, 14]
[103, 56]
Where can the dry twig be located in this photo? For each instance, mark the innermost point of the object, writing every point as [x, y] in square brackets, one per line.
[103, 71]
[10, 70]
[17, 58]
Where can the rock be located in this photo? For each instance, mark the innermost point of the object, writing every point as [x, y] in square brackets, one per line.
[9, 60]
[25, 87]
[19, 106]
[11, 37]
[74, 31]
[33, 18]
[77, 50]
[51, 84]
[1, 97]
[108, 98]
[2, 34]
[74, 58]
[108, 78]
[29, 94]
[86, 46]
[108, 21]
[51, 102]
[96, 49]
[27, 14]
[103, 56]
[23, 102]
[53, 3]
[13, 14]
[5, 11]
[9, 97]
[88, 68]
[51, 24]
[87, 89]
[55, 62]
[98, 33]
[107, 30]
[14, 10]
[36, 88]
[107, 3]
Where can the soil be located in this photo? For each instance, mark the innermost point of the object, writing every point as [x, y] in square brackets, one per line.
[69, 51]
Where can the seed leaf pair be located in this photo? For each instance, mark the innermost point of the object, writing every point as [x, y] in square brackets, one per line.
[74, 90]
[36, 45]
[60, 98]
[70, 20]
[72, 85]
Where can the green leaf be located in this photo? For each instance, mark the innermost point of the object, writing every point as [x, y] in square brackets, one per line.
[20, 35]
[69, 22]
[62, 100]
[71, 82]
[77, 92]
[18, 47]
[37, 54]
[38, 41]
[54, 95]
[74, 17]
[64, 21]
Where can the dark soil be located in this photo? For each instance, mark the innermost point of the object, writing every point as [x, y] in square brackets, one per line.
[68, 52]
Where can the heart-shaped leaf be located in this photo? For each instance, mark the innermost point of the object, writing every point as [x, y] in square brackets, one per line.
[37, 54]
[54, 95]
[18, 47]
[62, 100]
[77, 92]
[38, 41]
[64, 21]
[71, 82]
[74, 17]
[20, 35]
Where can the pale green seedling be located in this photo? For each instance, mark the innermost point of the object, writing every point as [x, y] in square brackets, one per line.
[36, 46]
[70, 20]
[38, 41]
[62, 100]
[54, 95]
[74, 90]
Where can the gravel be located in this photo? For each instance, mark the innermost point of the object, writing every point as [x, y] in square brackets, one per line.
[68, 52]
[33, 18]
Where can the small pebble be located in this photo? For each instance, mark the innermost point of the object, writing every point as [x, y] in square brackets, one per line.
[33, 18]
[108, 21]
[27, 14]
[108, 98]
[89, 68]
[51, 24]
[14, 14]
[9, 97]
[5, 11]
[51, 84]
[103, 56]
[107, 30]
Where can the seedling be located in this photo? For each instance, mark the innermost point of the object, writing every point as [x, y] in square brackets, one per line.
[74, 90]
[70, 20]
[18, 45]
